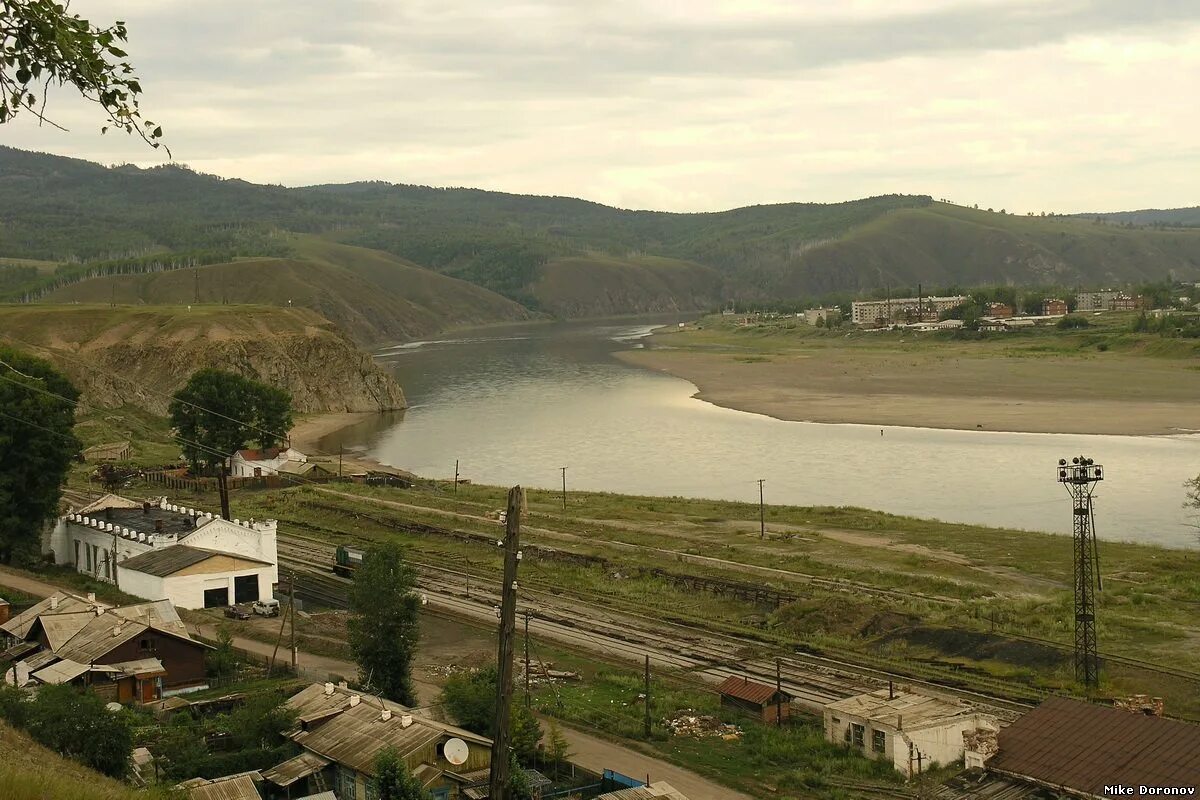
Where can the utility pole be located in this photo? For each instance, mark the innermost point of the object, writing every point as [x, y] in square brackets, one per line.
[292, 615]
[1080, 478]
[196, 285]
[762, 514]
[498, 778]
[528, 614]
[340, 448]
[646, 720]
[564, 489]
[778, 693]
[456, 476]
[223, 490]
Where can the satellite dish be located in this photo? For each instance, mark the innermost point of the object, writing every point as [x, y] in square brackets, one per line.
[455, 750]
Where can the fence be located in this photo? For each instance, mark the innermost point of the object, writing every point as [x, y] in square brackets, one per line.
[172, 480]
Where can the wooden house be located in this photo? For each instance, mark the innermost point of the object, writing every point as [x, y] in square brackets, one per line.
[760, 700]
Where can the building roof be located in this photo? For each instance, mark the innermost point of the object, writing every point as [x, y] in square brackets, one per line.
[270, 454]
[353, 734]
[61, 627]
[20, 625]
[63, 671]
[327, 795]
[299, 467]
[158, 614]
[294, 769]
[658, 789]
[748, 690]
[145, 520]
[173, 558]
[904, 710]
[145, 667]
[237, 787]
[1084, 747]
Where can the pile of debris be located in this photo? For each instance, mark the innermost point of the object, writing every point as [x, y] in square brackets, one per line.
[445, 670]
[1140, 704]
[687, 722]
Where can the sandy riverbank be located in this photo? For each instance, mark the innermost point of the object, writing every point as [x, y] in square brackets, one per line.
[1110, 395]
[308, 431]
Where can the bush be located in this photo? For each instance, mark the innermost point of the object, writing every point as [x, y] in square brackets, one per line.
[76, 723]
[471, 700]
[1073, 321]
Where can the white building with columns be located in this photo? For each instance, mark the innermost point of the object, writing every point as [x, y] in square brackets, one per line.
[162, 551]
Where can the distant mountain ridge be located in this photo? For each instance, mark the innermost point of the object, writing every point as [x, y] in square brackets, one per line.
[554, 255]
[1173, 217]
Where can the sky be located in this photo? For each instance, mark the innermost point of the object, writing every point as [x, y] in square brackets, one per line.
[679, 105]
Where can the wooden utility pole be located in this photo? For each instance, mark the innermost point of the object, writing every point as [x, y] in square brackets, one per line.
[456, 476]
[528, 614]
[292, 615]
[762, 516]
[498, 778]
[223, 490]
[340, 460]
[564, 489]
[646, 717]
[778, 693]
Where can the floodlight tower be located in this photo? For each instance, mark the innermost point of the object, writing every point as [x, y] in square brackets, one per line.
[1080, 478]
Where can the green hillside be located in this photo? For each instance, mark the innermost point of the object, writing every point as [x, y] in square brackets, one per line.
[29, 771]
[554, 254]
[1165, 217]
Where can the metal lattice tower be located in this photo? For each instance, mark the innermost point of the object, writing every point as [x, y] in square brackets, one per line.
[1080, 478]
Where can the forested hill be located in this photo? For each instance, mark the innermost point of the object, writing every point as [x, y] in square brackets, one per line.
[564, 256]
[1155, 217]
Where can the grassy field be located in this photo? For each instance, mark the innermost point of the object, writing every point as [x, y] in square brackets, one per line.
[1136, 383]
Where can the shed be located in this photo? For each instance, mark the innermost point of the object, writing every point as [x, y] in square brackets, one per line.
[768, 704]
[659, 790]
[234, 787]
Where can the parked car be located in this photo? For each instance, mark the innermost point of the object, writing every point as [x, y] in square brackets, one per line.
[237, 612]
[266, 608]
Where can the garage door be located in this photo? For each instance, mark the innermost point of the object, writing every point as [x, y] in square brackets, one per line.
[245, 589]
[216, 598]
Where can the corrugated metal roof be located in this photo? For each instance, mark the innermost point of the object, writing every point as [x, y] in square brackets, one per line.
[294, 769]
[142, 666]
[20, 625]
[240, 787]
[63, 671]
[167, 560]
[39, 660]
[748, 690]
[99, 637]
[355, 736]
[322, 796]
[61, 627]
[158, 614]
[1085, 747]
[658, 789]
[905, 709]
[19, 649]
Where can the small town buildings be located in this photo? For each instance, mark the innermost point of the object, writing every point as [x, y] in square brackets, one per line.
[659, 790]
[902, 309]
[759, 700]
[158, 550]
[1054, 307]
[341, 733]
[1083, 750]
[913, 732]
[1125, 302]
[825, 316]
[998, 310]
[1095, 301]
[110, 451]
[255, 463]
[135, 653]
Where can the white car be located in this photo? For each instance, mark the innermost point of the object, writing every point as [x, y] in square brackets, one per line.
[266, 608]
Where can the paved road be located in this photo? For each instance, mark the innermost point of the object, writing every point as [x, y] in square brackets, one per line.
[589, 751]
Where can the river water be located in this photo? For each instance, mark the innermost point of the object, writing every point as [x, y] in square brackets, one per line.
[515, 404]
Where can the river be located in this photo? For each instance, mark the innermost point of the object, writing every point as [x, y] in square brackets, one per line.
[515, 404]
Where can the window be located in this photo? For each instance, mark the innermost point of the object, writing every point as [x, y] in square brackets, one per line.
[371, 792]
[846, 735]
[440, 794]
[347, 784]
[87, 552]
[146, 645]
[859, 734]
[878, 739]
[76, 554]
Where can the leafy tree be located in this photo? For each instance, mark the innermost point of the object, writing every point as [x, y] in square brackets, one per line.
[471, 700]
[76, 723]
[1072, 321]
[219, 412]
[1193, 501]
[558, 749]
[43, 45]
[222, 661]
[37, 414]
[393, 780]
[383, 625]
[260, 722]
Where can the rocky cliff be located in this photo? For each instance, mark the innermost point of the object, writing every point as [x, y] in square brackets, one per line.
[139, 356]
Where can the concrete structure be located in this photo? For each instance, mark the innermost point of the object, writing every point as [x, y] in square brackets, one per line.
[911, 731]
[1125, 302]
[158, 550]
[1095, 301]
[1054, 307]
[257, 463]
[814, 315]
[902, 309]
[758, 700]
[135, 653]
[341, 733]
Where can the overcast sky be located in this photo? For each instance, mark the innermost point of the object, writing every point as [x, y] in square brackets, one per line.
[1056, 105]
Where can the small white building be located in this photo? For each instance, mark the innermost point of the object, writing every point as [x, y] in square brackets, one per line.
[158, 551]
[914, 732]
[814, 315]
[257, 463]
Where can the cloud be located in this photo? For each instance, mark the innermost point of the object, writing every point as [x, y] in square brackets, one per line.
[1040, 104]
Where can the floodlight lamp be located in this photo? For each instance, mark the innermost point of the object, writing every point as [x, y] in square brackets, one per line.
[1062, 462]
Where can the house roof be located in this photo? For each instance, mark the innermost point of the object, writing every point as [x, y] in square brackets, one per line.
[905, 710]
[145, 520]
[63, 671]
[20, 625]
[299, 467]
[61, 627]
[353, 735]
[158, 614]
[658, 789]
[237, 787]
[173, 558]
[748, 690]
[294, 769]
[142, 666]
[269, 454]
[1080, 746]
